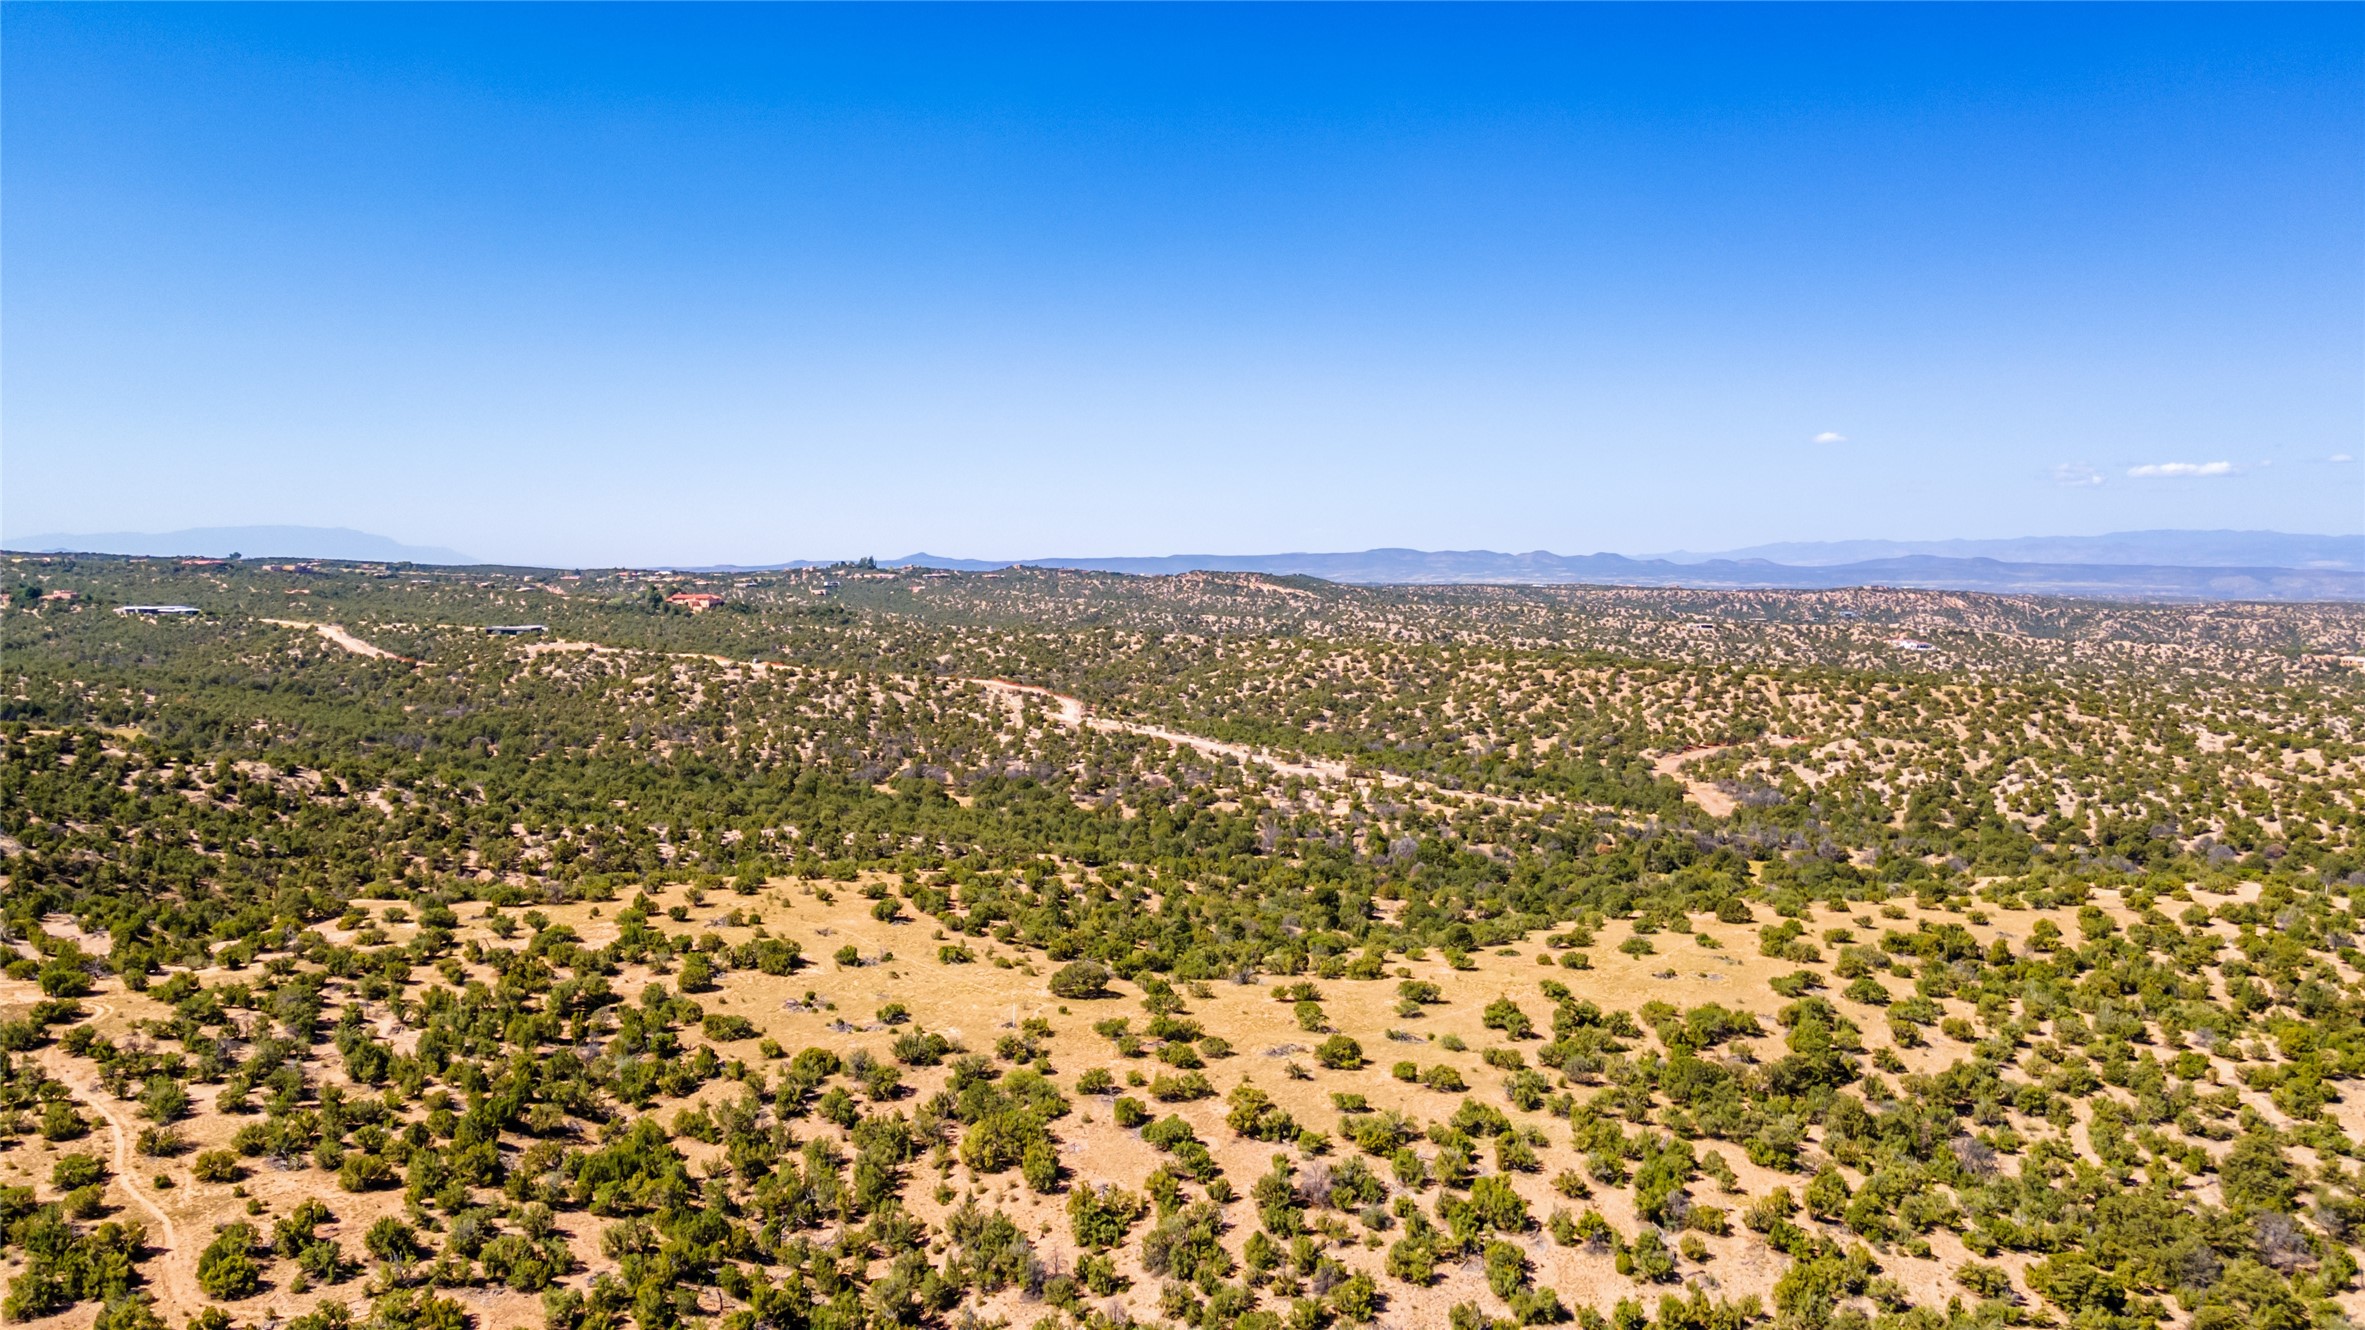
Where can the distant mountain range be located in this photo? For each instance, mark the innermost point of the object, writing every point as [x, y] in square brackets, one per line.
[255, 542]
[2177, 565]
[2179, 549]
[1446, 567]
[1797, 563]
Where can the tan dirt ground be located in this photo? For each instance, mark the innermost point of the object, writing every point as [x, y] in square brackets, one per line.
[1712, 800]
[336, 634]
[977, 1002]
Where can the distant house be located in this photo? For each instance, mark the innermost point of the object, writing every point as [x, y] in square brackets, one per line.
[156, 609]
[515, 629]
[1909, 644]
[62, 597]
[695, 601]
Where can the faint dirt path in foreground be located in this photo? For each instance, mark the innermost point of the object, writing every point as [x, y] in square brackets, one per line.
[179, 1276]
[336, 633]
[1072, 715]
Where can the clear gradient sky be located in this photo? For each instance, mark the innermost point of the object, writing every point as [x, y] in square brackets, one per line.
[745, 283]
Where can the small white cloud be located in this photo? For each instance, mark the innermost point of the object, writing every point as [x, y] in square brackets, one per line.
[2340, 459]
[2163, 470]
[1831, 436]
[2076, 473]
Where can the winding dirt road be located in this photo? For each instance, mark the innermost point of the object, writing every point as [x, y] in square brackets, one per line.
[179, 1276]
[1071, 714]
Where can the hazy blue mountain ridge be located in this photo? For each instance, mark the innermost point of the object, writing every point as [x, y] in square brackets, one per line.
[2165, 548]
[2206, 565]
[1448, 567]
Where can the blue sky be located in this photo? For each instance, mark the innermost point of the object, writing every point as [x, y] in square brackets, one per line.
[742, 283]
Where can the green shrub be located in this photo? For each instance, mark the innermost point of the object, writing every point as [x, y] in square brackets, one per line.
[1339, 1053]
[1181, 1089]
[77, 1170]
[724, 1029]
[1040, 1165]
[227, 1269]
[1100, 1217]
[1079, 980]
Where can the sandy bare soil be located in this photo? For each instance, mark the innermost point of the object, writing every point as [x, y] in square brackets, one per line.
[337, 634]
[1712, 800]
[831, 1006]
[178, 1275]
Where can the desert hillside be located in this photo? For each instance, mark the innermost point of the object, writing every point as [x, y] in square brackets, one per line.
[1051, 949]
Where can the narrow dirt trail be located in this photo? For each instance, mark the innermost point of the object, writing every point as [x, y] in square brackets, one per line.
[179, 1277]
[1071, 714]
[562, 645]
